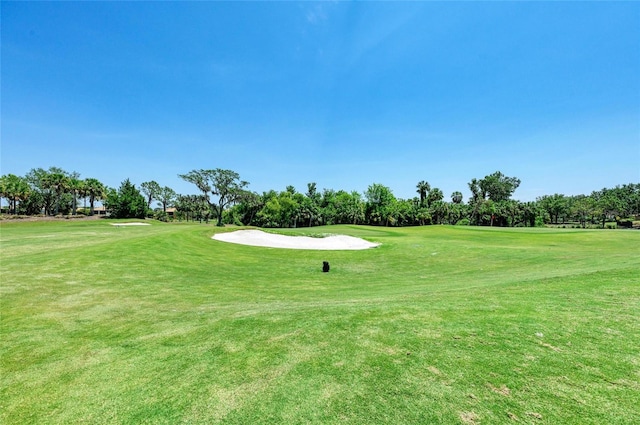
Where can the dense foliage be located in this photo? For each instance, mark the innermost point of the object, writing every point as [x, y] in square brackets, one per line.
[224, 196]
[126, 202]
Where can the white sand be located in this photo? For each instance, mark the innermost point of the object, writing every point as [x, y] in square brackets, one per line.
[260, 238]
[130, 224]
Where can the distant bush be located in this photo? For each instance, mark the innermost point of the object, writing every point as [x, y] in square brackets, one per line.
[463, 222]
[73, 217]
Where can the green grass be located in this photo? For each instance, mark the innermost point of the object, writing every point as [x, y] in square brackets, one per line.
[161, 324]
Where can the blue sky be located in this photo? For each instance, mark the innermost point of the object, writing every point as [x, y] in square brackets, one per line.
[344, 94]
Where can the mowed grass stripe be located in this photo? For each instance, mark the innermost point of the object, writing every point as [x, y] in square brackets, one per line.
[161, 324]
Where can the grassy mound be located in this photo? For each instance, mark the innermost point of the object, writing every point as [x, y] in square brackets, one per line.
[449, 325]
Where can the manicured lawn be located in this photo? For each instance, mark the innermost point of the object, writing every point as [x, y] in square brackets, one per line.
[161, 324]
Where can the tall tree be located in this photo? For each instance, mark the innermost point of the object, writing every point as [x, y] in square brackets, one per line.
[498, 187]
[349, 207]
[224, 184]
[438, 210]
[58, 183]
[37, 179]
[488, 195]
[476, 200]
[380, 204]
[82, 193]
[151, 190]
[456, 212]
[423, 188]
[127, 202]
[556, 205]
[166, 196]
[95, 190]
[583, 208]
[328, 206]
[248, 207]
[434, 195]
[75, 186]
[312, 191]
[608, 204]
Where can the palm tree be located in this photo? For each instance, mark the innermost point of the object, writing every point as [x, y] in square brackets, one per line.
[439, 211]
[423, 188]
[75, 185]
[94, 189]
[435, 195]
[58, 183]
[82, 192]
[15, 189]
[456, 197]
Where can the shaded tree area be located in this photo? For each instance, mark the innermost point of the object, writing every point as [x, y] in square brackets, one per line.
[192, 208]
[225, 185]
[620, 204]
[223, 196]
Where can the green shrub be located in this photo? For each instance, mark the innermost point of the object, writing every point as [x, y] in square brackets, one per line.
[463, 222]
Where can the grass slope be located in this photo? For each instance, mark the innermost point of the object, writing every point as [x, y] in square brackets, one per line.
[161, 324]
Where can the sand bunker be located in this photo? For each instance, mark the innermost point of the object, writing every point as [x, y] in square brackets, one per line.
[260, 238]
[130, 224]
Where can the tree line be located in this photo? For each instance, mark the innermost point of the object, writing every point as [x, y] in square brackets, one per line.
[222, 196]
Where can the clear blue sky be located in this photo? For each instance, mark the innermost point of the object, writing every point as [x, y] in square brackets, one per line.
[344, 94]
